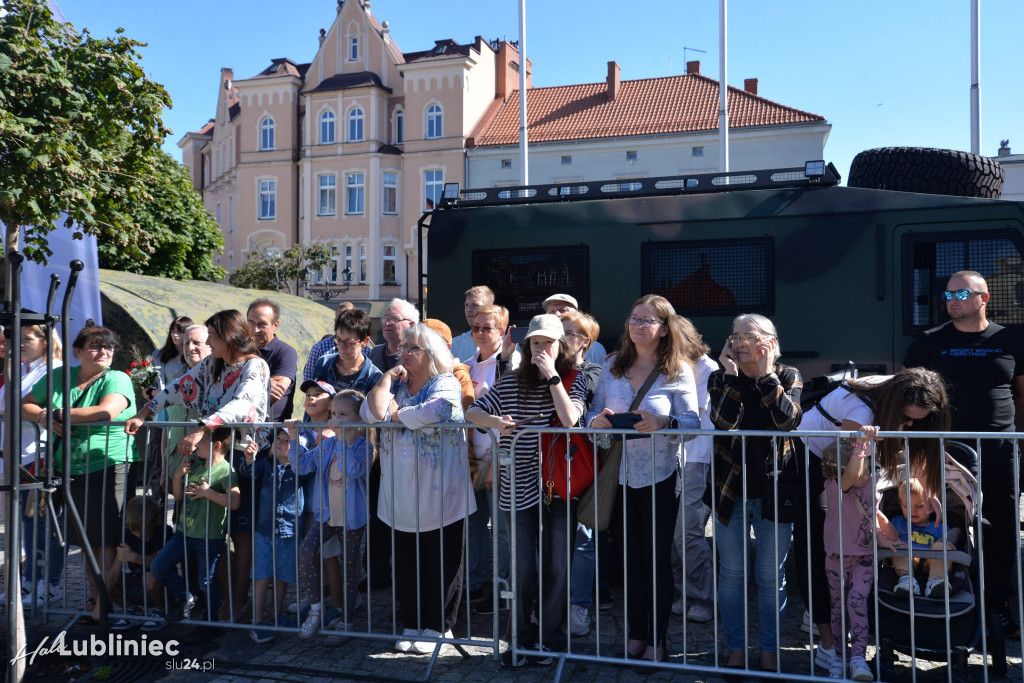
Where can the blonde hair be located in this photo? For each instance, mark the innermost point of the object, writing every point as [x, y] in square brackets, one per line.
[499, 313]
[54, 349]
[585, 323]
[481, 290]
[351, 396]
[916, 489]
[835, 458]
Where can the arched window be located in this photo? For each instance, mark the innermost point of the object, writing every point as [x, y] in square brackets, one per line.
[355, 125]
[267, 133]
[327, 127]
[399, 127]
[434, 121]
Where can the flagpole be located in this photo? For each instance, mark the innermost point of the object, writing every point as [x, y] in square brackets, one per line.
[524, 174]
[723, 90]
[975, 76]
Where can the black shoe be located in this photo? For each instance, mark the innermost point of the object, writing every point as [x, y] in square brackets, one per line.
[508, 660]
[542, 659]
[605, 599]
[1010, 627]
[181, 608]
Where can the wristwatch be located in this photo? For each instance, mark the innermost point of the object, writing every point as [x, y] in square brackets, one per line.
[673, 423]
[554, 380]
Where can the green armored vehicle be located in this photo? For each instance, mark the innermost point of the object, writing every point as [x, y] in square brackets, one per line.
[846, 273]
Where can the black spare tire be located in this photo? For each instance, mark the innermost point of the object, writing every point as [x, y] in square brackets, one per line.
[928, 171]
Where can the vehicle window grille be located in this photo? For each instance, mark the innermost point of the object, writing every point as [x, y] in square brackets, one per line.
[523, 278]
[712, 277]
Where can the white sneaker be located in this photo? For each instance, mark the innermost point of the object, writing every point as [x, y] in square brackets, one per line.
[807, 627]
[296, 607]
[310, 625]
[824, 657]
[43, 593]
[678, 607]
[836, 670]
[906, 585]
[936, 588]
[579, 621]
[425, 647]
[699, 614]
[859, 670]
[26, 590]
[405, 644]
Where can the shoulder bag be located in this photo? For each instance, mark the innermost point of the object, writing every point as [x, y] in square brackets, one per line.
[567, 462]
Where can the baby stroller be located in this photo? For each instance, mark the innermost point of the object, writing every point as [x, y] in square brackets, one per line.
[927, 640]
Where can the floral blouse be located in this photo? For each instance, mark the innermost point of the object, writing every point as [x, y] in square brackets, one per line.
[424, 468]
[240, 395]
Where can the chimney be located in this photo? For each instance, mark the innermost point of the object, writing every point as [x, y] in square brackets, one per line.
[693, 68]
[323, 36]
[613, 80]
[750, 85]
[1004, 148]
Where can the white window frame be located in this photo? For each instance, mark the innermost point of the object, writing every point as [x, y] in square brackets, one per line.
[389, 194]
[362, 264]
[433, 187]
[328, 123]
[353, 48]
[347, 258]
[433, 127]
[327, 194]
[266, 199]
[267, 134]
[355, 189]
[385, 259]
[356, 124]
[399, 132]
[335, 266]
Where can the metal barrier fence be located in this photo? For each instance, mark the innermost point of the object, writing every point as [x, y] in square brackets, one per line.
[427, 505]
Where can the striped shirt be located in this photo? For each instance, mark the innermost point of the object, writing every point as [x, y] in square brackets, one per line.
[505, 398]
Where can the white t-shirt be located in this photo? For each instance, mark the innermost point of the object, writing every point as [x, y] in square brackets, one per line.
[841, 405]
[699, 449]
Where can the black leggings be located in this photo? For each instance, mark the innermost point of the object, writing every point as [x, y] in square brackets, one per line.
[649, 589]
[815, 584]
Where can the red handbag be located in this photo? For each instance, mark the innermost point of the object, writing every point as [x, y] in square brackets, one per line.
[567, 462]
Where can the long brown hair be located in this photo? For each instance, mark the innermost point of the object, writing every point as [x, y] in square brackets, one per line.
[171, 350]
[232, 327]
[911, 387]
[528, 376]
[672, 353]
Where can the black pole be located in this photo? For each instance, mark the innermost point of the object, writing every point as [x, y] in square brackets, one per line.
[15, 615]
[420, 275]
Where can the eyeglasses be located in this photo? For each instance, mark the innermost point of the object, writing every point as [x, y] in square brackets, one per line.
[347, 342]
[407, 348]
[643, 322]
[918, 421]
[960, 294]
[394, 320]
[486, 329]
[96, 348]
[744, 338]
[580, 335]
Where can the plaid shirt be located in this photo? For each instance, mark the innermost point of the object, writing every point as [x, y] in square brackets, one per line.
[740, 402]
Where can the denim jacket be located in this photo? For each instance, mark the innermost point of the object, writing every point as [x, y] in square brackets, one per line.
[317, 461]
[281, 501]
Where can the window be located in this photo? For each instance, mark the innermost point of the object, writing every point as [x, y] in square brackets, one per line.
[355, 184]
[267, 134]
[390, 264]
[217, 214]
[506, 163]
[355, 125]
[335, 258]
[353, 49]
[630, 156]
[231, 215]
[434, 121]
[528, 275]
[566, 161]
[697, 152]
[711, 277]
[328, 194]
[930, 258]
[327, 128]
[399, 127]
[362, 264]
[348, 259]
[268, 199]
[390, 192]
[433, 184]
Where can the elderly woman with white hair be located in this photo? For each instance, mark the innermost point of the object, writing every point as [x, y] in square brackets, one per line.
[195, 346]
[425, 493]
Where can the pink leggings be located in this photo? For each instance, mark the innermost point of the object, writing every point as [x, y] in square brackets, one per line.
[859, 573]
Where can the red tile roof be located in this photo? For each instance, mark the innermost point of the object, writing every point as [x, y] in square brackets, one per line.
[647, 106]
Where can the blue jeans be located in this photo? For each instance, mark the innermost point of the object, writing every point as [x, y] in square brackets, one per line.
[769, 573]
[543, 532]
[34, 544]
[479, 546]
[205, 553]
[581, 584]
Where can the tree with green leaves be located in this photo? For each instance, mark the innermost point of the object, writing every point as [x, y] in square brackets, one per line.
[178, 236]
[274, 270]
[80, 132]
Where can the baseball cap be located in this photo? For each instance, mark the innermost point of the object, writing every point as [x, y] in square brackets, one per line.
[318, 383]
[547, 326]
[441, 328]
[567, 298]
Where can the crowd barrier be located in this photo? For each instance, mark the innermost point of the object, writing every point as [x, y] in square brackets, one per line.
[376, 611]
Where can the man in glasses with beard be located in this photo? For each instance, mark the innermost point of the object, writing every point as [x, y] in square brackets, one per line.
[984, 364]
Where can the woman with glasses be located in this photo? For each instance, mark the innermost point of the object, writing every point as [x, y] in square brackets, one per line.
[752, 391]
[36, 348]
[348, 367]
[424, 487]
[526, 398]
[101, 471]
[653, 345]
[910, 400]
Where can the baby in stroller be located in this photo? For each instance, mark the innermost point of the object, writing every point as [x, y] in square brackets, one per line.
[918, 526]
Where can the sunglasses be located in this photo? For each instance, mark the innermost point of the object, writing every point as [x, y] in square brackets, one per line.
[918, 421]
[960, 294]
[482, 328]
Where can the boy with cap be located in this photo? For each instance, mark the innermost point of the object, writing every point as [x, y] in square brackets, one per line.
[559, 305]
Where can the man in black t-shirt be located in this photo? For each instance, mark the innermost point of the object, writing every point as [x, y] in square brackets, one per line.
[983, 362]
[264, 317]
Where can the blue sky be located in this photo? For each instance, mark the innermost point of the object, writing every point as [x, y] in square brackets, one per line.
[882, 73]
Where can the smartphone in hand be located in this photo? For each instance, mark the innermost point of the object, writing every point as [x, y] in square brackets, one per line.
[518, 334]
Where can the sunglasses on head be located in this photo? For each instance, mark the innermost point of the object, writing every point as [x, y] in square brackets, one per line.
[960, 294]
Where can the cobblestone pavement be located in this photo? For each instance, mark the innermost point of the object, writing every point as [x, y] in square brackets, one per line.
[233, 656]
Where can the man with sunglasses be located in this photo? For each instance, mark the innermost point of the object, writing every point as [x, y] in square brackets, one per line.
[984, 364]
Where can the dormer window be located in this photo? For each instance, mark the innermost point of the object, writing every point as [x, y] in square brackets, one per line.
[353, 49]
